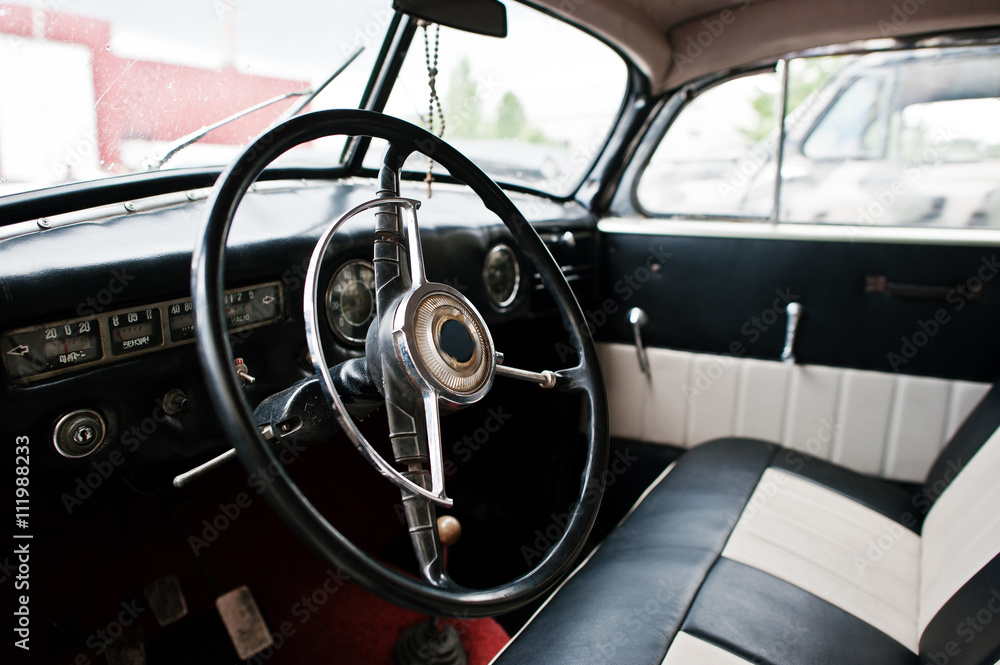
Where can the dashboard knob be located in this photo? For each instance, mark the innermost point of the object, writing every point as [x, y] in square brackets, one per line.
[450, 530]
[175, 401]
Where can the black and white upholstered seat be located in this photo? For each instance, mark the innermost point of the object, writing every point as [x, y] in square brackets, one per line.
[745, 552]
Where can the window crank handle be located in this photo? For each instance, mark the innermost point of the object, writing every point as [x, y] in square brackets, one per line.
[794, 311]
[637, 319]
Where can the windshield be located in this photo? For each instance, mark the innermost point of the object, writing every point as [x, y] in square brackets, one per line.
[531, 109]
[95, 88]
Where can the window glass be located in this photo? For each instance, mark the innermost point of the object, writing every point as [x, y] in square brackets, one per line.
[970, 127]
[715, 157]
[910, 138]
[532, 108]
[900, 138]
[97, 88]
[854, 127]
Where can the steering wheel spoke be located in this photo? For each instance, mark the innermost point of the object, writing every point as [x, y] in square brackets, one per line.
[545, 378]
[415, 433]
[416, 442]
[571, 379]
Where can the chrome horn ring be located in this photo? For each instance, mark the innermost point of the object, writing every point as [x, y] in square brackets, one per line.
[424, 362]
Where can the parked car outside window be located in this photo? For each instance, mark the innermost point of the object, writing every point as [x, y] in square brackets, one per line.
[907, 138]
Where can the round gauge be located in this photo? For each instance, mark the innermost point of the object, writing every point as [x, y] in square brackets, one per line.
[502, 276]
[350, 300]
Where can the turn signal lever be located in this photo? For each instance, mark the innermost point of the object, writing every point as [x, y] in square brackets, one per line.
[306, 402]
[302, 413]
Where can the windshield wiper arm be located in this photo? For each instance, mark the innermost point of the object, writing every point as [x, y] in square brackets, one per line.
[152, 164]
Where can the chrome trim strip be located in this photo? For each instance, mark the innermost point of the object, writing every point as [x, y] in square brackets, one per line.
[791, 231]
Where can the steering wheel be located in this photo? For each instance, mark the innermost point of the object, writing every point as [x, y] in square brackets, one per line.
[427, 345]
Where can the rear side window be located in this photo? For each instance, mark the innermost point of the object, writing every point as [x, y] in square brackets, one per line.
[906, 138]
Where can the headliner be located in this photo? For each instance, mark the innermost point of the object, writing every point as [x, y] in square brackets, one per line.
[675, 41]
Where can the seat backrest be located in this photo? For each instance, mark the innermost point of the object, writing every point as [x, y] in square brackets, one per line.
[967, 440]
[959, 614]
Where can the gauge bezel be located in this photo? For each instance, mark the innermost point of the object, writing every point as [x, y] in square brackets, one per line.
[341, 335]
[502, 305]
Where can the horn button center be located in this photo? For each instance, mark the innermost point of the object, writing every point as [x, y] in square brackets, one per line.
[455, 340]
[451, 344]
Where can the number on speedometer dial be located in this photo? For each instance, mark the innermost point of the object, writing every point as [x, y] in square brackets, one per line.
[350, 301]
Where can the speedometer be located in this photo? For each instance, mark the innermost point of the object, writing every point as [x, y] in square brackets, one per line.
[350, 300]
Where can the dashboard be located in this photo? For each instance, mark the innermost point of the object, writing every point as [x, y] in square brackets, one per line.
[97, 332]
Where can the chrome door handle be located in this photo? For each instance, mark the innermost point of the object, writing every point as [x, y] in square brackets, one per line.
[794, 312]
[637, 319]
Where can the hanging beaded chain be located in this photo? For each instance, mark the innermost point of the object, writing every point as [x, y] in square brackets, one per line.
[433, 101]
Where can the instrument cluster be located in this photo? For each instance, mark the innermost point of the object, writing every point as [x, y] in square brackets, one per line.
[60, 347]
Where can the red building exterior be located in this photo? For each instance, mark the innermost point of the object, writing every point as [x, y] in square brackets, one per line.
[155, 101]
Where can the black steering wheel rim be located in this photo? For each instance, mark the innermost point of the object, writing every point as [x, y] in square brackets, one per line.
[236, 414]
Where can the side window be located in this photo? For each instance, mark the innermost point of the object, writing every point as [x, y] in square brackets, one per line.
[854, 127]
[715, 157]
[903, 138]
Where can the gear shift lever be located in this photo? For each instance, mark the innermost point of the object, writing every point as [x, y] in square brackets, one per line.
[430, 643]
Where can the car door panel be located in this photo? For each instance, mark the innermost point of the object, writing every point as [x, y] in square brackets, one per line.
[881, 381]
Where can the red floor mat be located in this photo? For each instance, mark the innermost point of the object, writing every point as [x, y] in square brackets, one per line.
[354, 626]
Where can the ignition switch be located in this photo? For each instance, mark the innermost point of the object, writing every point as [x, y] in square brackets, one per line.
[78, 433]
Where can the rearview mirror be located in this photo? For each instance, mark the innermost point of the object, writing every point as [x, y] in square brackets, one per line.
[484, 17]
